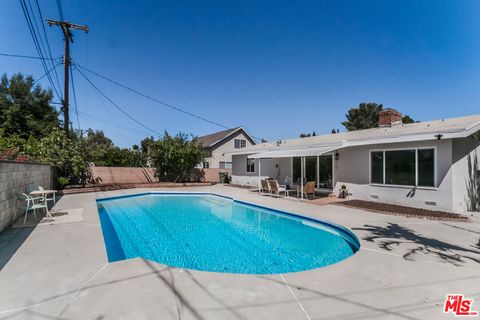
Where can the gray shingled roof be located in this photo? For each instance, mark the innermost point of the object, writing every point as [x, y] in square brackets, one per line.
[211, 139]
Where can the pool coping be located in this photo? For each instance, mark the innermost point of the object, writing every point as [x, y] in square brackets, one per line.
[345, 232]
[74, 280]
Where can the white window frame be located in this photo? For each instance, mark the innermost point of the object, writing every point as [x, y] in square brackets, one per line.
[248, 165]
[242, 143]
[206, 167]
[226, 165]
[416, 168]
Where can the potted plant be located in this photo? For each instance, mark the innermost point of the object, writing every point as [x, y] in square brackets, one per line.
[343, 191]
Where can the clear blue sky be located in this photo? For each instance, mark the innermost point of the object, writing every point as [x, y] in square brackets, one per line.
[278, 68]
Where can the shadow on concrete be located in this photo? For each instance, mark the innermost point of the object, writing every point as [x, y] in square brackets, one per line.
[30, 309]
[207, 292]
[394, 235]
[171, 285]
[11, 240]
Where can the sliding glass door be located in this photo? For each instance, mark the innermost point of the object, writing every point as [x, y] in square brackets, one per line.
[325, 175]
[318, 169]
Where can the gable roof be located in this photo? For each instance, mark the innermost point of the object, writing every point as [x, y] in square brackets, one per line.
[212, 139]
[420, 131]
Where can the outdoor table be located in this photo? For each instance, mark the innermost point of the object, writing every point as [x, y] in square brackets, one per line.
[44, 193]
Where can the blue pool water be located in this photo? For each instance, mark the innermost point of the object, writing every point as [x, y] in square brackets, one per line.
[213, 233]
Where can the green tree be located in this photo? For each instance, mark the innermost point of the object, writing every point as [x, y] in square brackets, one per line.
[25, 109]
[366, 117]
[363, 117]
[175, 157]
[407, 119]
[308, 135]
[95, 145]
[57, 149]
[10, 146]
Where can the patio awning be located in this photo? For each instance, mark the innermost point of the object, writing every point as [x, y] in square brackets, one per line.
[299, 152]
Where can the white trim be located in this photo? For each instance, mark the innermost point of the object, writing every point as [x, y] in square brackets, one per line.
[296, 152]
[228, 135]
[435, 187]
[452, 130]
[333, 170]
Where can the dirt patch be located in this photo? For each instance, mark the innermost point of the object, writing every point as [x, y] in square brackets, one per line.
[397, 210]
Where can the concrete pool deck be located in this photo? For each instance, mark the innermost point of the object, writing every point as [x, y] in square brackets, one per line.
[403, 270]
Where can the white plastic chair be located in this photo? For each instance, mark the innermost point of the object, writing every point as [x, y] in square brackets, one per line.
[277, 189]
[52, 198]
[32, 204]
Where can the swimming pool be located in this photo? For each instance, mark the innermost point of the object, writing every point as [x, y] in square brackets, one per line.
[213, 233]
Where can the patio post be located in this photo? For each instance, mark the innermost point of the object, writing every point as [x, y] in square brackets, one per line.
[259, 175]
[302, 173]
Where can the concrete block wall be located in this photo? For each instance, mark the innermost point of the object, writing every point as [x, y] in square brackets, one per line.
[16, 178]
[121, 175]
[129, 175]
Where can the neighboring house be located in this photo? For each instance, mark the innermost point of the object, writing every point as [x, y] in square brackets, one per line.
[431, 164]
[218, 143]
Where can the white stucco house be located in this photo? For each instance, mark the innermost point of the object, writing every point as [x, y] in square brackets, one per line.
[219, 143]
[431, 164]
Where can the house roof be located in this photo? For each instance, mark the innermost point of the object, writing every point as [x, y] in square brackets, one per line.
[427, 130]
[214, 138]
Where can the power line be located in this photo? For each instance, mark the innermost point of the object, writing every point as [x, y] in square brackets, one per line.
[74, 97]
[157, 100]
[46, 40]
[45, 74]
[111, 123]
[33, 32]
[117, 106]
[60, 10]
[153, 99]
[27, 57]
[31, 28]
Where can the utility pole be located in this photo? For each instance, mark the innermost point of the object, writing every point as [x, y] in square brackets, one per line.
[66, 28]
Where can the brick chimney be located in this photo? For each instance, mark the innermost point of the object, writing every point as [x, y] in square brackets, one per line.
[389, 117]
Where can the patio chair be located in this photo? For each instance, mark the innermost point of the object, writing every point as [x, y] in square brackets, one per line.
[265, 187]
[32, 204]
[277, 189]
[308, 188]
[52, 198]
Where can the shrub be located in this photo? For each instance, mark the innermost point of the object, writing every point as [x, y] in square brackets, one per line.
[175, 157]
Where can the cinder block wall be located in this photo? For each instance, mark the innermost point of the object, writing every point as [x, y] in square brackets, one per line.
[119, 175]
[16, 178]
[126, 175]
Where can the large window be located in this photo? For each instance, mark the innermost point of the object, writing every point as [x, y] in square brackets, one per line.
[240, 143]
[426, 168]
[376, 158]
[400, 167]
[206, 165]
[296, 166]
[250, 165]
[412, 167]
[224, 165]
